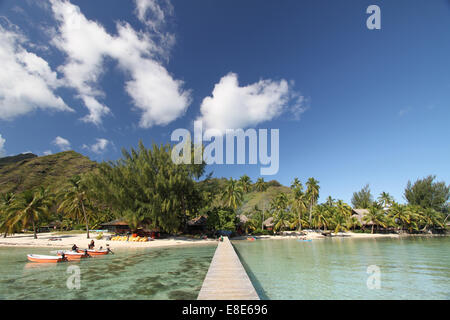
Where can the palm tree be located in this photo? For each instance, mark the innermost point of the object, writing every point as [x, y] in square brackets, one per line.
[299, 204]
[385, 200]
[296, 184]
[330, 201]
[319, 217]
[257, 217]
[279, 208]
[313, 194]
[343, 209]
[340, 222]
[400, 215]
[75, 202]
[414, 213]
[233, 194]
[245, 182]
[31, 208]
[351, 223]
[260, 185]
[430, 218]
[376, 217]
[7, 216]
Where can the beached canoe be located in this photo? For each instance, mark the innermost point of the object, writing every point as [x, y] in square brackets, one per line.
[304, 240]
[44, 259]
[94, 252]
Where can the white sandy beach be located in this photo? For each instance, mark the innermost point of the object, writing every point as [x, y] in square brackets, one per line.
[67, 241]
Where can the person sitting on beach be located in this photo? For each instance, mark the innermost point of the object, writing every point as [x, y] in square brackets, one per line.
[74, 247]
[91, 245]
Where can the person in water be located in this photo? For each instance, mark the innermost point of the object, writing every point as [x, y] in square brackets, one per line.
[91, 245]
[108, 249]
[74, 247]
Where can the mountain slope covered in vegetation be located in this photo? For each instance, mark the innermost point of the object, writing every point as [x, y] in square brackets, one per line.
[27, 171]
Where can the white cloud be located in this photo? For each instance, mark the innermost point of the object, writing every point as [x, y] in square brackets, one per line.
[62, 143]
[233, 107]
[27, 82]
[2, 145]
[47, 152]
[160, 98]
[153, 12]
[99, 147]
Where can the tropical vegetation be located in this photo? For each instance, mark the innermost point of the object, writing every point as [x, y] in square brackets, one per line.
[147, 189]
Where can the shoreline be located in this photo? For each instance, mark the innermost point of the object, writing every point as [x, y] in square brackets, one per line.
[67, 241]
[340, 235]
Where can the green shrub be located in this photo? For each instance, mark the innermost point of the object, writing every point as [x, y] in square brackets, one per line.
[262, 232]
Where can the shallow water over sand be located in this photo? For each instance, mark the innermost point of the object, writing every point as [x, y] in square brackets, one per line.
[410, 268]
[160, 273]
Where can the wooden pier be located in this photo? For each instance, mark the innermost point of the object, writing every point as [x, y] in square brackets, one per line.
[226, 278]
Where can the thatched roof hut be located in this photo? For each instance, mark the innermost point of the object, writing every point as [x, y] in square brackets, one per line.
[268, 223]
[197, 222]
[359, 214]
[243, 219]
[117, 225]
[197, 225]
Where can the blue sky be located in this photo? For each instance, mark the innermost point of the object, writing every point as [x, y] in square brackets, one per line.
[353, 105]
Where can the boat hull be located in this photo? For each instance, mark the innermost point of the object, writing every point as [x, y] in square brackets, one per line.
[71, 256]
[42, 259]
[94, 252]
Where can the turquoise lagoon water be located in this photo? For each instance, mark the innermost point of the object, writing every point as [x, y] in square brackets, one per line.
[410, 268]
[160, 273]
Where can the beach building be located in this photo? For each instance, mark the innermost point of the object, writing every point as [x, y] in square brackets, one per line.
[268, 224]
[197, 225]
[116, 226]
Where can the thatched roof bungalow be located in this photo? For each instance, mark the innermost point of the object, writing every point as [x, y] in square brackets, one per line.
[197, 224]
[116, 226]
[268, 223]
[243, 219]
[359, 215]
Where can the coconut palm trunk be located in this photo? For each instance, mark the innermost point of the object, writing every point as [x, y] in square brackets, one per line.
[299, 221]
[86, 219]
[34, 230]
[310, 213]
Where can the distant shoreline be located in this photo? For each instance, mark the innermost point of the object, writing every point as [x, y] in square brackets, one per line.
[350, 235]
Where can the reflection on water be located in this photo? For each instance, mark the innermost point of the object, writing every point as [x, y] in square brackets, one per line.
[412, 268]
[165, 273]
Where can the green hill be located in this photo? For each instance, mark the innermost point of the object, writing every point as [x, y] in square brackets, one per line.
[261, 199]
[27, 171]
[14, 159]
